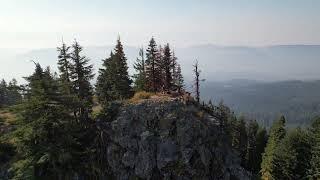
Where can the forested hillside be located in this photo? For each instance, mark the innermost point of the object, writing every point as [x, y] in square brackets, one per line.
[264, 101]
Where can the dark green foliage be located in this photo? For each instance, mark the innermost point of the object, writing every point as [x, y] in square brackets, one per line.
[123, 85]
[113, 81]
[292, 156]
[261, 143]
[153, 67]
[6, 152]
[140, 76]
[81, 74]
[64, 66]
[251, 151]
[178, 78]
[167, 65]
[314, 170]
[9, 93]
[44, 121]
[240, 139]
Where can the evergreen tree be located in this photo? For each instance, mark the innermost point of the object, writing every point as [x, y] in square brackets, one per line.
[314, 170]
[113, 81]
[174, 66]
[3, 93]
[153, 71]
[123, 83]
[179, 82]
[44, 153]
[14, 95]
[261, 143]
[64, 66]
[277, 133]
[292, 156]
[252, 154]
[105, 88]
[240, 139]
[140, 77]
[167, 65]
[81, 74]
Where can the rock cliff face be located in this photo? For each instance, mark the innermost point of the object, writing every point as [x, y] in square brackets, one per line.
[168, 140]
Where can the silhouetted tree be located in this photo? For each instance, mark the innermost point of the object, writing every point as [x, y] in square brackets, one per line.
[197, 81]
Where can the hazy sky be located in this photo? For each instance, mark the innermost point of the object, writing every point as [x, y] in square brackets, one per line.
[42, 23]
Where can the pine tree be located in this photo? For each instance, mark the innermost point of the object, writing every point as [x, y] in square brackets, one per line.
[262, 139]
[123, 83]
[174, 66]
[167, 65]
[105, 88]
[153, 70]
[140, 77]
[314, 170]
[14, 95]
[179, 82]
[64, 66]
[44, 138]
[292, 156]
[251, 152]
[3, 93]
[277, 133]
[240, 139]
[113, 81]
[81, 74]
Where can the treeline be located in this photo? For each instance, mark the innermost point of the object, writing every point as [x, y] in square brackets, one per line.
[245, 136]
[57, 134]
[157, 70]
[292, 154]
[281, 153]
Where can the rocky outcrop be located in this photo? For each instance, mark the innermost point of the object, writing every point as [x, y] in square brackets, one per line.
[168, 140]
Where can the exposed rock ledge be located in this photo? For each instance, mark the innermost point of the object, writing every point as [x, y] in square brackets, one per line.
[168, 140]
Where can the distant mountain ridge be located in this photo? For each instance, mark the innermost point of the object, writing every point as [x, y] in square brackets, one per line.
[269, 63]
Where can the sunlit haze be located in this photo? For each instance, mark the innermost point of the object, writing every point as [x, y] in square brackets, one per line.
[42, 23]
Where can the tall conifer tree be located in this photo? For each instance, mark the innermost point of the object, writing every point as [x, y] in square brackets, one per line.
[167, 65]
[152, 69]
[140, 76]
[64, 66]
[81, 75]
[113, 81]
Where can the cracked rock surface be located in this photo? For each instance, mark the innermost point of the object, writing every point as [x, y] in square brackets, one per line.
[169, 140]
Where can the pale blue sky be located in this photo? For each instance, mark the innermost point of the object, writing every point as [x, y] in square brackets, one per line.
[42, 23]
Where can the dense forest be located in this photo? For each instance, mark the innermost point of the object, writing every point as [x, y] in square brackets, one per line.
[297, 100]
[51, 126]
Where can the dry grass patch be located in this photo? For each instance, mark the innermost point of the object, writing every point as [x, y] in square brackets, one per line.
[140, 96]
[7, 117]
